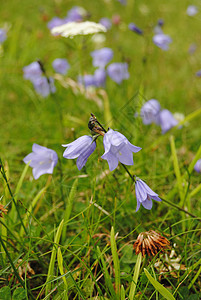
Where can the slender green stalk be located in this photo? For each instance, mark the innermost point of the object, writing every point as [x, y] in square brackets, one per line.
[116, 262]
[135, 277]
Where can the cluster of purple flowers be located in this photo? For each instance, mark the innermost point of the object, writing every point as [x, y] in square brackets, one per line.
[44, 85]
[151, 113]
[116, 71]
[117, 149]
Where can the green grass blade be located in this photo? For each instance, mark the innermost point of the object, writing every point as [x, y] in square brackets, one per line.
[135, 276]
[159, 287]
[195, 278]
[197, 156]
[107, 277]
[68, 208]
[53, 257]
[123, 296]
[60, 264]
[116, 262]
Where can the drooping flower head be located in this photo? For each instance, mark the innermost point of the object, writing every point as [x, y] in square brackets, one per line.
[81, 149]
[106, 22]
[150, 112]
[43, 160]
[144, 194]
[102, 57]
[100, 77]
[166, 120]
[134, 28]
[32, 71]
[118, 72]
[197, 166]
[150, 242]
[43, 87]
[118, 149]
[162, 40]
[3, 35]
[72, 29]
[61, 65]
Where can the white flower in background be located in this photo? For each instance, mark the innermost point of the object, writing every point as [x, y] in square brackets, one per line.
[72, 29]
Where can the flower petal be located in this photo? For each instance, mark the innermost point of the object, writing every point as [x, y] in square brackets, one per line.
[111, 159]
[82, 159]
[147, 204]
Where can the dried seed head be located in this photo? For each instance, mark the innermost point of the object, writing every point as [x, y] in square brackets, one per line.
[2, 211]
[150, 242]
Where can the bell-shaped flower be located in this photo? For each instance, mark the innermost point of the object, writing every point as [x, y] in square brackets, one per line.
[150, 112]
[42, 160]
[3, 35]
[61, 66]
[144, 194]
[87, 80]
[100, 77]
[162, 40]
[43, 87]
[118, 148]
[81, 149]
[134, 28]
[102, 57]
[166, 120]
[76, 14]
[106, 22]
[118, 72]
[32, 71]
[54, 22]
[197, 166]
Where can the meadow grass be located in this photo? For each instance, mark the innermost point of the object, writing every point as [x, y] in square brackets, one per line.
[70, 235]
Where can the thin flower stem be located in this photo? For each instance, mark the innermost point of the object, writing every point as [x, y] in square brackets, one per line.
[131, 176]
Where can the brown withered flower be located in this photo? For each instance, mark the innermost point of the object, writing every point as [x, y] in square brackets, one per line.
[2, 211]
[150, 242]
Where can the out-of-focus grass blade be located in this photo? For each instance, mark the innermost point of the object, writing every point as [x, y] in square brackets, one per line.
[13, 210]
[123, 296]
[176, 169]
[60, 264]
[107, 112]
[159, 287]
[197, 156]
[108, 281]
[135, 276]
[53, 257]
[195, 278]
[68, 207]
[116, 262]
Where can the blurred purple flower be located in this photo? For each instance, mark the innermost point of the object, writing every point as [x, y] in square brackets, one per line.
[76, 14]
[43, 87]
[56, 21]
[192, 48]
[123, 2]
[118, 148]
[166, 120]
[160, 22]
[106, 22]
[100, 77]
[32, 71]
[43, 160]
[61, 65]
[118, 72]
[198, 73]
[150, 112]
[134, 28]
[144, 194]
[87, 80]
[3, 35]
[81, 149]
[102, 57]
[162, 41]
[192, 10]
[197, 166]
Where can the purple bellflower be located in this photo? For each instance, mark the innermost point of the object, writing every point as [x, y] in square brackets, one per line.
[134, 28]
[81, 149]
[118, 72]
[76, 14]
[43, 87]
[166, 120]
[61, 65]
[106, 22]
[192, 10]
[144, 194]
[197, 166]
[87, 80]
[100, 77]
[102, 57]
[150, 112]
[32, 71]
[198, 73]
[3, 35]
[118, 148]
[43, 160]
[162, 40]
[56, 21]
